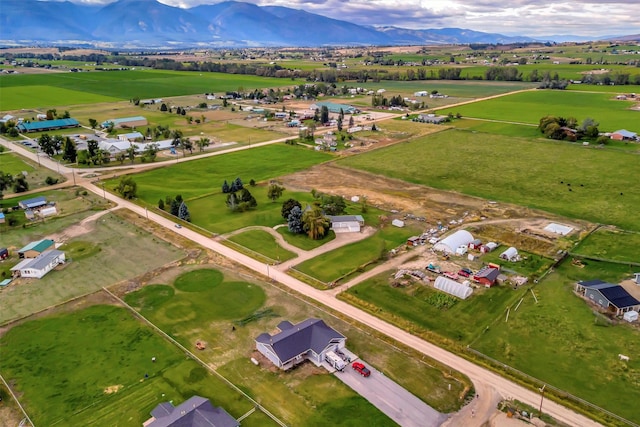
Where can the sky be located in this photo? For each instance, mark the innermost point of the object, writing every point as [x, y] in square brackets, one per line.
[510, 17]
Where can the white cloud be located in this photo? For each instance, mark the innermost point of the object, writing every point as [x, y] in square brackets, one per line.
[524, 17]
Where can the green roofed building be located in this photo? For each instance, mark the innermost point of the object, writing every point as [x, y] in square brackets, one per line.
[47, 125]
[335, 108]
[33, 249]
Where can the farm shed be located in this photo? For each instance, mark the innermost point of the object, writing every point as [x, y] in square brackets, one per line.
[39, 266]
[563, 230]
[310, 340]
[476, 244]
[196, 411]
[450, 243]
[346, 223]
[624, 135]
[48, 211]
[48, 125]
[489, 247]
[609, 296]
[487, 276]
[33, 249]
[397, 223]
[630, 316]
[452, 287]
[33, 203]
[126, 122]
[510, 254]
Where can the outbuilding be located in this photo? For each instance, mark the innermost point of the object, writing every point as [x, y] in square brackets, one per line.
[452, 287]
[510, 254]
[346, 223]
[126, 122]
[630, 316]
[34, 249]
[452, 242]
[397, 223]
[489, 247]
[487, 276]
[4, 253]
[2, 218]
[475, 244]
[33, 203]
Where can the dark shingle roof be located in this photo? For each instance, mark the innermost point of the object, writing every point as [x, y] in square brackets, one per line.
[591, 283]
[487, 272]
[311, 334]
[194, 412]
[619, 297]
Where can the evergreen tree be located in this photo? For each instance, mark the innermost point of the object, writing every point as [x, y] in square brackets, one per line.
[161, 204]
[70, 153]
[247, 197]
[175, 207]
[232, 202]
[294, 220]
[183, 212]
[239, 184]
[288, 206]
[225, 187]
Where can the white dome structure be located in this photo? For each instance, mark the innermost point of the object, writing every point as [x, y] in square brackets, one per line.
[452, 242]
[452, 287]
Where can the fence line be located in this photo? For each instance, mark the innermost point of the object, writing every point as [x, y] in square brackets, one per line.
[310, 279]
[17, 401]
[540, 383]
[194, 357]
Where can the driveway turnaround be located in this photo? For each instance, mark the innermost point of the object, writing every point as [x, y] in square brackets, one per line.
[390, 398]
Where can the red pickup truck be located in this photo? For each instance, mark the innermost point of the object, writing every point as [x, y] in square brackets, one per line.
[361, 369]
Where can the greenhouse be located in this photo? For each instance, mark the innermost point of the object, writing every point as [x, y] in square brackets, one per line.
[452, 242]
[453, 288]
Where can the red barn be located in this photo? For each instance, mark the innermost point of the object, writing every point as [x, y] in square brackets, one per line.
[487, 276]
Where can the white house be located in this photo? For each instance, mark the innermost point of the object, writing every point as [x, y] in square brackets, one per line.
[310, 340]
[39, 266]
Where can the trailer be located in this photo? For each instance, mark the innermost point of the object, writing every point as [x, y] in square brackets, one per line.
[334, 360]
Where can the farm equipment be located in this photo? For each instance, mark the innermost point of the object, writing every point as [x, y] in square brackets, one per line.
[434, 268]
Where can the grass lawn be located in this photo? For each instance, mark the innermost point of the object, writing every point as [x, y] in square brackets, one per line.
[206, 297]
[303, 241]
[611, 245]
[14, 164]
[420, 305]
[530, 107]
[205, 176]
[263, 243]
[331, 266]
[64, 375]
[497, 128]
[45, 90]
[125, 249]
[530, 173]
[531, 265]
[560, 341]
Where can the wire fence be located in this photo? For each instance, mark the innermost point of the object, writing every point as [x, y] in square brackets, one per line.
[13, 396]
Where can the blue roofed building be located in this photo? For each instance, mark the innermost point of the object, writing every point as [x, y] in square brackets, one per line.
[611, 297]
[47, 125]
[194, 412]
[310, 340]
[2, 219]
[33, 203]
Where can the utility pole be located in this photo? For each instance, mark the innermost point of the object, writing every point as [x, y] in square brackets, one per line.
[541, 398]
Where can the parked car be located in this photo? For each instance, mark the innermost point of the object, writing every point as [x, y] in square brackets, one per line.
[465, 272]
[177, 226]
[359, 367]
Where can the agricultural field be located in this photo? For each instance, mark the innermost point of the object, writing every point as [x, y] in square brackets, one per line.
[47, 90]
[457, 89]
[610, 244]
[537, 174]
[497, 128]
[97, 370]
[237, 311]
[578, 338]
[13, 164]
[109, 241]
[530, 107]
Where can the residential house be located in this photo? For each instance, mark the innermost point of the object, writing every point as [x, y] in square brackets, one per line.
[34, 249]
[611, 297]
[194, 412]
[346, 223]
[487, 276]
[39, 266]
[310, 340]
[431, 118]
[624, 135]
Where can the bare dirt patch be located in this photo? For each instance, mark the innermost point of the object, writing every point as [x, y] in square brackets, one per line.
[113, 389]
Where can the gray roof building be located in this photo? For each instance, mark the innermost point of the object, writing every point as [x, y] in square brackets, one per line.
[608, 295]
[308, 340]
[194, 412]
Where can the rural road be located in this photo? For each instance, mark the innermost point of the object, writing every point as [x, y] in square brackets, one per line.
[486, 382]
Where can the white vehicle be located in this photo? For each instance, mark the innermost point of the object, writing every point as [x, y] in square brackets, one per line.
[334, 360]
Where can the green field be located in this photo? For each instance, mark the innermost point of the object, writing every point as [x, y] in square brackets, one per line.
[264, 243]
[206, 297]
[459, 89]
[47, 90]
[530, 173]
[530, 107]
[611, 245]
[126, 249]
[551, 339]
[332, 265]
[14, 164]
[63, 376]
[497, 128]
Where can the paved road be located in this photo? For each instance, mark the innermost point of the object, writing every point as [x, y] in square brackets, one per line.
[392, 399]
[482, 378]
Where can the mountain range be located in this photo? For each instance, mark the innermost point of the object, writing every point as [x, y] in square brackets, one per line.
[148, 23]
